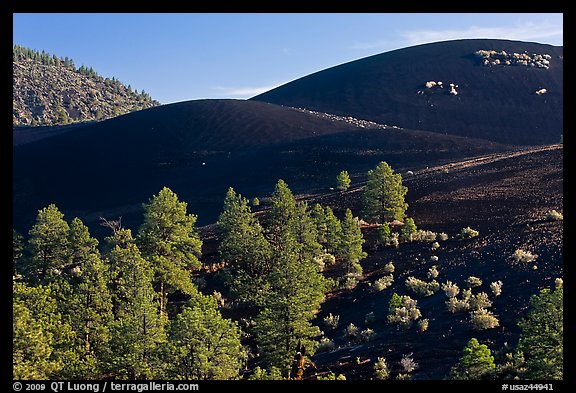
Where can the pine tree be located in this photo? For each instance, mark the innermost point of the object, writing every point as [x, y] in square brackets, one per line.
[204, 346]
[282, 212]
[244, 248]
[343, 181]
[319, 218]
[17, 252]
[137, 333]
[384, 233]
[333, 232]
[384, 194]
[408, 229]
[306, 232]
[351, 244]
[542, 336]
[476, 362]
[47, 246]
[169, 241]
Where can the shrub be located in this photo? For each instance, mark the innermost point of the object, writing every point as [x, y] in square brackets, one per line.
[433, 272]
[421, 287]
[468, 233]
[351, 331]
[325, 345]
[349, 281]
[331, 321]
[389, 268]
[408, 364]
[455, 305]
[395, 240]
[442, 236]
[424, 236]
[423, 325]
[480, 301]
[435, 246]
[553, 215]
[406, 313]
[496, 287]
[331, 377]
[473, 282]
[255, 201]
[483, 319]
[383, 282]
[324, 259]
[523, 256]
[450, 289]
[366, 335]
[219, 298]
[434, 258]
[369, 318]
[381, 369]
[559, 283]
[408, 230]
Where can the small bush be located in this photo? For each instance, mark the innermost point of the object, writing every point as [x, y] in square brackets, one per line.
[389, 268]
[219, 298]
[408, 230]
[433, 272]
[408, 364]
[424, 236]
[480, 301]
[553, 215]
[435, 246]
[423, 325]
[349, 281]
[369, 318]
[450, 289]
[331, 321]
[395, 240]
[381, 369]
[324, 259]
[325, 345]
[455, 305]
[468, 233]
[483, 319]
[559, 283]
[521, 256]
[331, 377]
[433, 258]
[442, 236]
[405, 314]
[421, 287]
[383, 282]
[255, 201]
[473, 282]
[351, 331]
[366, 335]
[496, 287]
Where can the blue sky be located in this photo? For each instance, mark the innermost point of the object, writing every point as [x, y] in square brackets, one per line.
[179, 57]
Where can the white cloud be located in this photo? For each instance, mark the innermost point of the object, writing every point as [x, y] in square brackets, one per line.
[530, 31]
[243, 92]
[541, 31]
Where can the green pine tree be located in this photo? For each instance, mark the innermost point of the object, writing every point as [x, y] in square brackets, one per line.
[343, 181]
[169, 240]
[384, 194]
[333, 233]
[542, 336]
[138, 332]
[319, 218]
[351, 244]
[204, 345]
[47, 246]
[244, 248]
[17, 252]
[408, 229]
[476, 362]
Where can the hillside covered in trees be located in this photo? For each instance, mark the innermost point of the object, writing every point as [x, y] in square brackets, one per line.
[50, 90]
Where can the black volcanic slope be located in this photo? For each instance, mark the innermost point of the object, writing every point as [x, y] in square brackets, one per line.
[199, 149]
[494, 102]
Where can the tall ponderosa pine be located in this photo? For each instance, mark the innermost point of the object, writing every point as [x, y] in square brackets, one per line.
[333, 233]
[244, 249]
[169, 241]
[296, 288]
[384, 194]
[138, 331]
[89, 308]
[319, 218]
[204, 345]
[351, 244]
[306, 232]
[542, 336]
[47, 246]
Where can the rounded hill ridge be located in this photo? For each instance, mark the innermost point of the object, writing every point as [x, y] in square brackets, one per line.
[505, 91]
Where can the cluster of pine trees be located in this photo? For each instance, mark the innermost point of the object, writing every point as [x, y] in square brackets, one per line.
[21, 53]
